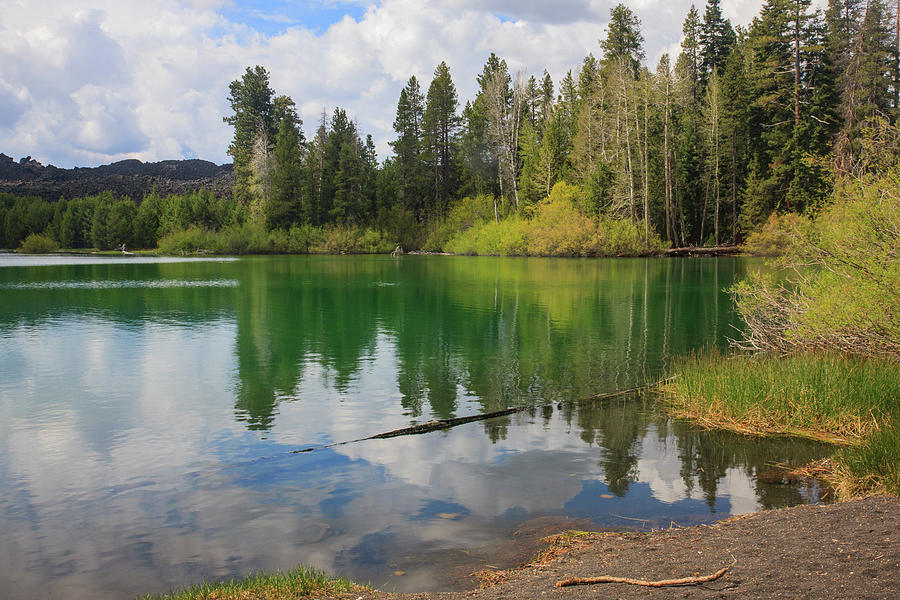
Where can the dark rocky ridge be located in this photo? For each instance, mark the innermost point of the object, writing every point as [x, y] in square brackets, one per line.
[132, 178]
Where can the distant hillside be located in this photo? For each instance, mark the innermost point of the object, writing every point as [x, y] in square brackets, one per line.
[132, 178]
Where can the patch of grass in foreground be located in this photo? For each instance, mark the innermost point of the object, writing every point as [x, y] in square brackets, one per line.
[298, 583]
[848, 400]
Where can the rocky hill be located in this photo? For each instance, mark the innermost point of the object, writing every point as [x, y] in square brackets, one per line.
[28, 177]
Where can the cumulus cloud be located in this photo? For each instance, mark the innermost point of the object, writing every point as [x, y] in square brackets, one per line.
[92, 81]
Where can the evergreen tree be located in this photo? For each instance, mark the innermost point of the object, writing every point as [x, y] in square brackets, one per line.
[716, 39]
[284, 205]
[441, 124]
[624, 39]
[408, 148]
[253, 120]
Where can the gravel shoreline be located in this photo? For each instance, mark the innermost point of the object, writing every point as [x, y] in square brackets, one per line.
[844, 550]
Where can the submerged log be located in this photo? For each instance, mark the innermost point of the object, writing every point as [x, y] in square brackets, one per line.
[440, 424]
[702, 251]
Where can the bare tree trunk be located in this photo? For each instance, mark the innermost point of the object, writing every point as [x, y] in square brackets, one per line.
[667, 163]
[629, 166]
[646, 162]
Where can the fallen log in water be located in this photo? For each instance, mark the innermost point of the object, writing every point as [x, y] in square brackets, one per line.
[440, 424]
[701, 251]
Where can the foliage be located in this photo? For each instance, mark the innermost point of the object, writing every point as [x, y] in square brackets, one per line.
[187, 241]
[872, 467]
[252, 238]
[301, 582]
[463, 215]
[558, 228]
[777, 236]
[843, 288]
[37, 243]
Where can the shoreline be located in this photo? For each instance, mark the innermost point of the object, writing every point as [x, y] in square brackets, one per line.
[848, 549]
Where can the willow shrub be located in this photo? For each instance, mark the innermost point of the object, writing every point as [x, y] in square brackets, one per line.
[461, 217]
[777, 235]
[842, 291]
[37, 243]
[557, 227]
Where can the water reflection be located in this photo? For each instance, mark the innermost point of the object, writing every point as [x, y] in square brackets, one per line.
[146, 429]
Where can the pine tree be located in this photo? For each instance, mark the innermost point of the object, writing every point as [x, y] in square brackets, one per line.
[408, 148]
[441, 125]
[716, 39]
[285, 203]
[254, 124]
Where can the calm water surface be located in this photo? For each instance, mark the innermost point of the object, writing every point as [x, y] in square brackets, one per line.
[148, 410]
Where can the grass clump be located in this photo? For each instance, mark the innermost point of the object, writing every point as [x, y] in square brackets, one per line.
[302, 582]
[872, 467]
[853, 401]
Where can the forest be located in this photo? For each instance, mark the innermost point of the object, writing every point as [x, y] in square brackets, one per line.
[700, 149]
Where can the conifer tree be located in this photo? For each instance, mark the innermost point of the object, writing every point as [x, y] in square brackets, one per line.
[408, 148]
[253, 120]
[441, 125]
[716, 39]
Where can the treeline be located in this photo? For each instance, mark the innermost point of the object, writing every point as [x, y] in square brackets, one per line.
[105, 221]
[744, 122]
[700, 149]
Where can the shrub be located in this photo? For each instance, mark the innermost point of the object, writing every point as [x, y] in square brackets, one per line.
[36, 243]
[246, 238]
[777, 236]
[303, 238]
[345, 239]
[463, 215]
[187, 241]
[841, 291]
[558, 227]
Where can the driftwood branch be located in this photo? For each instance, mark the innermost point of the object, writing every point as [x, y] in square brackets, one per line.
[642, 582]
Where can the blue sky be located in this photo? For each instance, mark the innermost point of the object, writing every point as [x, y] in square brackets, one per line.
[273, 17]
[88, 82]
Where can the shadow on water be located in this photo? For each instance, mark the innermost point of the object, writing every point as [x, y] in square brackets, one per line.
[165, 400]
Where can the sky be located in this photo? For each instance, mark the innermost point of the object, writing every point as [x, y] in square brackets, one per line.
[89, 82]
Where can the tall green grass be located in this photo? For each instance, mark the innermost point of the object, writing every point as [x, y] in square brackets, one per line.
[298, 583]
[824, 395]
[849, 400]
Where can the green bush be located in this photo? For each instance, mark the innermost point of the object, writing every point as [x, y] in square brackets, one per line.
[843, 276]
[777, 236]
[558, 227]
[352, 240]
[245, 238]
[36, 243]
[187, 241]
[463, 215]
[303, 238]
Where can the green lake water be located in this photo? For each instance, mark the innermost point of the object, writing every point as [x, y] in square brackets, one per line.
[149, 409]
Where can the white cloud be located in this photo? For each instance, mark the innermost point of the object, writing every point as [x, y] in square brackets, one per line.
[90, 81]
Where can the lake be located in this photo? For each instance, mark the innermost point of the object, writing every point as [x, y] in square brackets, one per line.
[150, 409]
